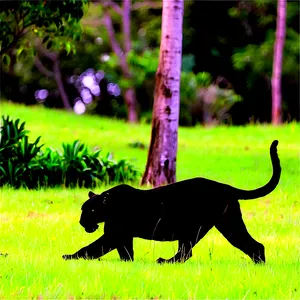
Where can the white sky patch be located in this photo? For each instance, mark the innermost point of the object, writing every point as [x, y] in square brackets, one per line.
[88, 81]
[95, 90]
[86, 96]
[79, 108]
[105, 57]
[114, 89]
[99, 75]
[41, 95]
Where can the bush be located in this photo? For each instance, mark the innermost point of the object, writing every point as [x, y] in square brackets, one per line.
[23, 164]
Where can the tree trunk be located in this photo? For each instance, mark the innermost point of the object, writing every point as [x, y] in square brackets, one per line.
[129, 93]
[130, 100]
[60, 84]
[127, 25]
[161, 164]
[277, 62]
[56, 74]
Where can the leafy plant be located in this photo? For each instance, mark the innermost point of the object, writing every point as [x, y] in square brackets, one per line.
[79, 165]
[23, 164]
[11, 132]
[17, 154]
[83, 168]
[50, 173]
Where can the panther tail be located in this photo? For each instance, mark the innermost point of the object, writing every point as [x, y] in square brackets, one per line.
[271, 185]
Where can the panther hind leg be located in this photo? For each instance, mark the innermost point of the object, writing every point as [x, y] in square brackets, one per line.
[234, 230]
[125, 250]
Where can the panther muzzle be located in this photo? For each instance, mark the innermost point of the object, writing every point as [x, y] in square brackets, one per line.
[91, 229]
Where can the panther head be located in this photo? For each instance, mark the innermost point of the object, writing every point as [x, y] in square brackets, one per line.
[93, 211]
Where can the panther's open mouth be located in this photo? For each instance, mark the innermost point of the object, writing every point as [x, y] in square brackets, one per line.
[91, 229]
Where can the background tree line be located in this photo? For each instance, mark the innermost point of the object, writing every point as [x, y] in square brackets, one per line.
[101, 57]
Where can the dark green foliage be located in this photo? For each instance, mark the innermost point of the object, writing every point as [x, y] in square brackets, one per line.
[23, 164]
[49, 18]
[50, 172]
[137, 144]
[17, 155]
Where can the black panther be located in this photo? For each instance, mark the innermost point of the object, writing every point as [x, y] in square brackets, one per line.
[183, 211]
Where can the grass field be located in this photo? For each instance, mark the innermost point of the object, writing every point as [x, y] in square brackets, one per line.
[38, 227]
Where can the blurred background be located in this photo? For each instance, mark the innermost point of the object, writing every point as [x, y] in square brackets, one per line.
[100, 57]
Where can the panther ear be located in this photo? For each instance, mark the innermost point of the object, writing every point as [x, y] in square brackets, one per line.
[91, 194]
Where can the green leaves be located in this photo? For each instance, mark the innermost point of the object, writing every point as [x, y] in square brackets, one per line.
[6, 60]
[51, 20]
[11, 133]
[26, 151]
[203, 79]
[45, 39]
[82, 168]
[17, 154]
[23, 164]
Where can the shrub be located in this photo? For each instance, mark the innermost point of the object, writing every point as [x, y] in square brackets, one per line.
[17, 155]
[23, 164]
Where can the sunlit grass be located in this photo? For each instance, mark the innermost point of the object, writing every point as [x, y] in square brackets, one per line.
[38, 227]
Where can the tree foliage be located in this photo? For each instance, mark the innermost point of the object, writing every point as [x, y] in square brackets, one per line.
[236, 44]
[45, 18]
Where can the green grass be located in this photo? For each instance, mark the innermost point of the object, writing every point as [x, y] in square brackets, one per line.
[38, 227]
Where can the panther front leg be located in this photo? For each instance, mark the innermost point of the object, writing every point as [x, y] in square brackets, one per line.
[183, 254]
[95, 250]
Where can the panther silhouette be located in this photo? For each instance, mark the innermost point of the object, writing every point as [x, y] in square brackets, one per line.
[183, 211]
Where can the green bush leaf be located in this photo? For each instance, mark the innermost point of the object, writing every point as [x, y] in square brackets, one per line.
[23, 164]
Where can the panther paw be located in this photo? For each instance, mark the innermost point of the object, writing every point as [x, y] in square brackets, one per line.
[161, 260]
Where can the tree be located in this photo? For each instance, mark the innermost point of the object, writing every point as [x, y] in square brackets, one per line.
[55, 73]
[161, 164]
[277, 61]
[118, 14]
[240, 48]
[122, 49]
[18, 18]
[27, 25]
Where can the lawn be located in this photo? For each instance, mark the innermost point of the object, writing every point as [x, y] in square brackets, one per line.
[38, 227]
